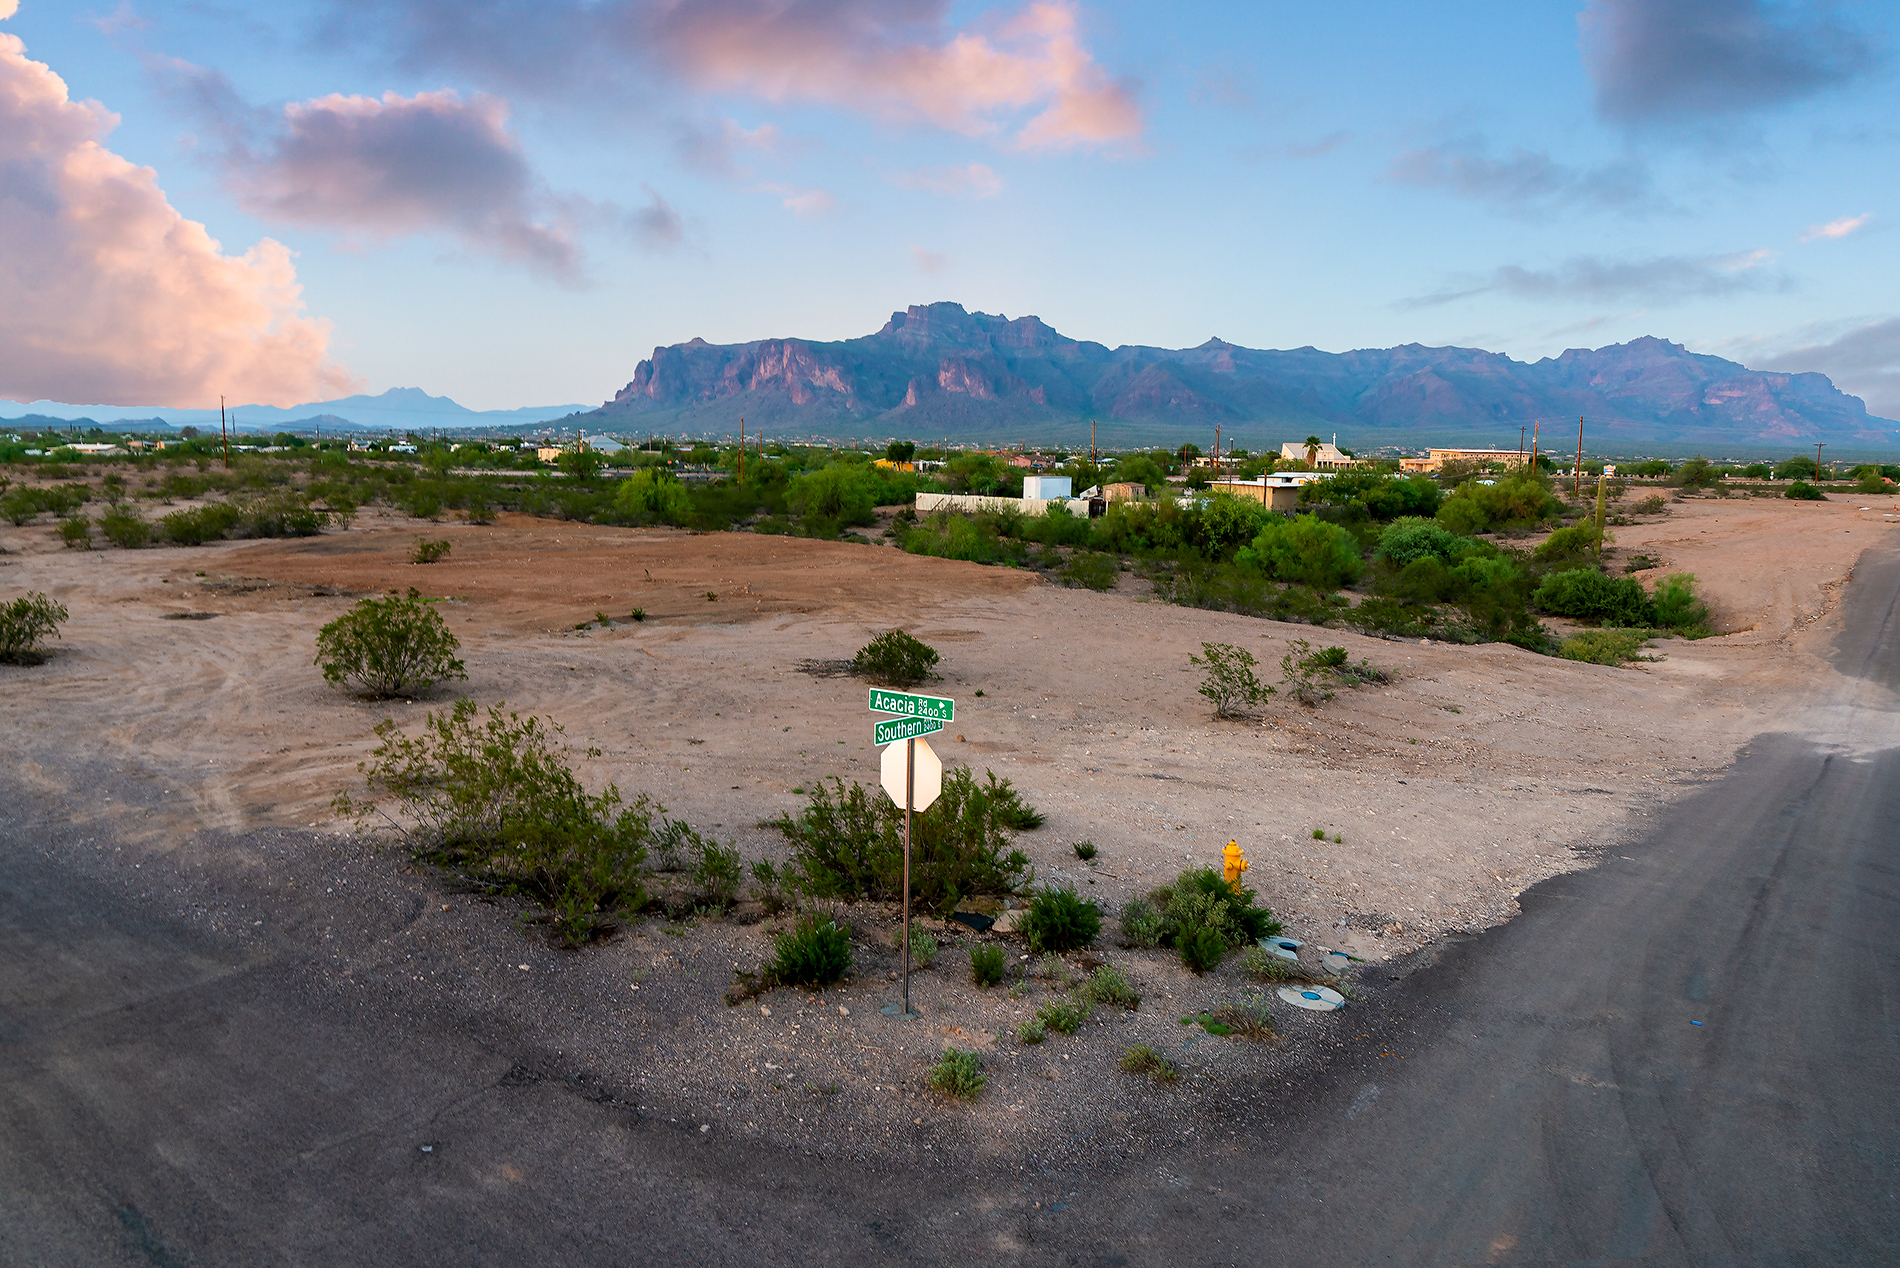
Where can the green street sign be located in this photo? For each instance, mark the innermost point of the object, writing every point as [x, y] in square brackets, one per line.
[902, 702]
[904, 729]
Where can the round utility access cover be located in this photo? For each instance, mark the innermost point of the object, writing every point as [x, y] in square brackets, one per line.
[1321, 999]
[1285, 948]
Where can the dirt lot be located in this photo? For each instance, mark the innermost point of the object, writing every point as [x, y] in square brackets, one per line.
[1477, 772]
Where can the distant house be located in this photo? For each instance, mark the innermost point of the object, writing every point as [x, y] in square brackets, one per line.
[1477, 457]
[1326, 457]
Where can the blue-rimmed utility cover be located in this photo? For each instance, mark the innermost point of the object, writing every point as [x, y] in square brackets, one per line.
[1285, 948]
[1321, 999]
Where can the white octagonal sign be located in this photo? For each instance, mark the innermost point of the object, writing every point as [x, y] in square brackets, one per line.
[928, 781]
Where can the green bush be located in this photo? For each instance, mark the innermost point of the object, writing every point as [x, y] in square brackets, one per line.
[895, 659]
[958, 1074]
[1306, 550]
[1064, 1016]
[124, 529]
[1090, 568]
[986, 965]
[1413, 538]
[1059, 920]
[1677, 607]
[1587, 595]
[811, 953]
[1229, 681]
[429, 552]
[848, 842]
[1109, 987]
[1201, 949]
[1142, 924]
[1604, 647]
[75, 531]
[388, 647]
[495, 802]
[1802, 491]
[25, 623]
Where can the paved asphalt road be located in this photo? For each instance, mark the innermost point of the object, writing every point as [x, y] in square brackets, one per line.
[1689, 1055]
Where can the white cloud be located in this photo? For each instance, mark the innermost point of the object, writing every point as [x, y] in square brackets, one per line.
[109, 297]
[1837, 228]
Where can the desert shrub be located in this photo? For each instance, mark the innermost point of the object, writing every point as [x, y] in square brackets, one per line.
[717, 872]
[1588, 595]
[495, 802]
[895, 659]
[198, 525]
[848, 842]
[1109, 987]
[1578, 544]
[1414, 538]
[1200, 898]
[1090, 568]
[1305, 550]
[1059, 920]
[1604, 647]
[1802, 491]
[1143, 1059]
[1303, 671]
[1064, 1016]
[652, 494]
[75, 532]
[986, 966]
[124, 529]
[958, 1074]
[1201, 949]
[26, 623]
[1142, 924]
[813, 952]
[429, 552]
[1677, 607]
[389, 647]
[1229, 681]
[1263, 965]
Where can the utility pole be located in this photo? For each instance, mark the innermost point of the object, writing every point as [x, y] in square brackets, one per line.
[1576, 476]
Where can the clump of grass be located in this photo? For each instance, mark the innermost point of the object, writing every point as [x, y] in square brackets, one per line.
[1031, 1031]
[812, 953]
[1059, 920]
[958, 1074]
[1064, 1016]
[1263, 965]
[1142, 1059]
[1084, 850]
[1109, 986]
[986, 966]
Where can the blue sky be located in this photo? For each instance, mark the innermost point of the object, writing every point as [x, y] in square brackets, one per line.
[512, 203]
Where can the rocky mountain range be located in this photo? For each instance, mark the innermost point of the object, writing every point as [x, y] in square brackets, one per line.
[936, 369]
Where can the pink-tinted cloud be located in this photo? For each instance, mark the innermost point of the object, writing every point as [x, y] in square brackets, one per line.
[1026, 76]
[108, 296]
[886, 58]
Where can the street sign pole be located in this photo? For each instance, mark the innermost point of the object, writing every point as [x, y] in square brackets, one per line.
[910, 795]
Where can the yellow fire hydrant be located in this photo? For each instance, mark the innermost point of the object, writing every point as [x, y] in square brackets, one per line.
[1233, 863]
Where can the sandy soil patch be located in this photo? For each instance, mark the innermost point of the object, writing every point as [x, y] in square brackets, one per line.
[1479, 771]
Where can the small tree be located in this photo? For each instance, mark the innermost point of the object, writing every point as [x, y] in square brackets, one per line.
[1229, 681]
[25, 623]
[388, 647]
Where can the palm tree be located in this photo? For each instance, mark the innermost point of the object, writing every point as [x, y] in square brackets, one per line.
[1312, 452]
